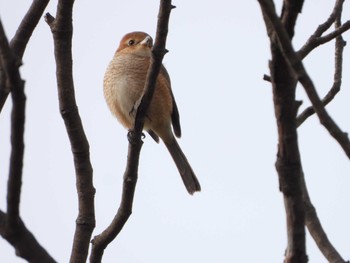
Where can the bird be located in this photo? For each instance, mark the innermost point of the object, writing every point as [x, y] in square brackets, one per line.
[123, 86]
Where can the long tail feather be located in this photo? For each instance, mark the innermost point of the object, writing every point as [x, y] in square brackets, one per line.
[188, 177]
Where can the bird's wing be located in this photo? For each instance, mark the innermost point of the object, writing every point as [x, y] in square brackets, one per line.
[175, 116]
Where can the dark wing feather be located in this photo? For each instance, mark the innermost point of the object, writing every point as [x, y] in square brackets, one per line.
[175, 116]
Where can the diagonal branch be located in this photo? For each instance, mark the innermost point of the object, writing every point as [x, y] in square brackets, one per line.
[24, 242]
[302, 53]
[21, 39]
[25, 30]
[316, 230]
[62, 30]
[315, 39]
[311, 219]
[101, 241]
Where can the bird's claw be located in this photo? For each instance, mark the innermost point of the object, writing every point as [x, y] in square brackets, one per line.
[134, 137]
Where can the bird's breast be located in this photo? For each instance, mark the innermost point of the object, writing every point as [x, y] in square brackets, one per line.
[123, 85]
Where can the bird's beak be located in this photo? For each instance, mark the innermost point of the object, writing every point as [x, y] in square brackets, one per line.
[147, 41]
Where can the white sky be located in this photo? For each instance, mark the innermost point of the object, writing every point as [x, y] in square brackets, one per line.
[219, 52]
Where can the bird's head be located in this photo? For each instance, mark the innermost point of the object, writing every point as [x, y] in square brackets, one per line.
[138, 43]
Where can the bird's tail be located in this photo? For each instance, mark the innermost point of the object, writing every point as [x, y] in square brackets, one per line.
[188, 177]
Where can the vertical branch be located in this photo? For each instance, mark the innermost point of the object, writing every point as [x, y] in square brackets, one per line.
[288, 162]
[62, 30]
[101, 241]
[14, 82]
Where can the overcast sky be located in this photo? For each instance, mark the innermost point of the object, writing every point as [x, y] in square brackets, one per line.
[219, 52]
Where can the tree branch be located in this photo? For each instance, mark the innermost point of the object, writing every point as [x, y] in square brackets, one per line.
[315, 229]
[101, 241]
[24, 242]
[278, 34]
[339, 47]
[15, 83]
[288, 164]
[311, 219]
[21, 38]
[12, 227]
[315, 39]
[322, 40]
[62, 31]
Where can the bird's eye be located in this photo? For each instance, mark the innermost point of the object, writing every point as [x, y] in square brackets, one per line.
[131, 42]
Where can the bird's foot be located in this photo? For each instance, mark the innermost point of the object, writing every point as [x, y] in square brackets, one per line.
[134, 137]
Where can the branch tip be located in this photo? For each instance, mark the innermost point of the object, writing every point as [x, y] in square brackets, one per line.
[49, 19]
[298, 103]
[267, 78]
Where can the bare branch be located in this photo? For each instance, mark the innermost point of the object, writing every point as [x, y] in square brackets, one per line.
[101, 241]
[311, 219]
[14, 82]
[322, 40]
[281, 36]
[316, 230]
[21, 38]
[62, 30]
[339, 47]
[25, 30]
[288, 164]
[315, 39]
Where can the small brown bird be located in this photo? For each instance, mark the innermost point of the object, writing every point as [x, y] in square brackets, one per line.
[124, 82]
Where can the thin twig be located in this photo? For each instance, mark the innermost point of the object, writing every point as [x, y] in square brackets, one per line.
[339, 47]
[315, 39]
[25, 30]
[101, 241]
[62, 30]
[316, 230]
